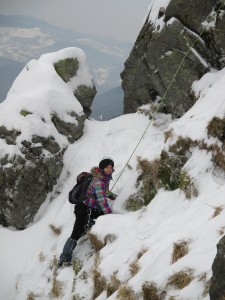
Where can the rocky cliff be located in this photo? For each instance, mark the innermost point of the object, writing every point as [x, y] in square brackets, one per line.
[217, 288]
[44, 97]
[183, 36]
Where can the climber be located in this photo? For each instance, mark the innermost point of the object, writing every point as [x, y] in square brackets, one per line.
[94, 205]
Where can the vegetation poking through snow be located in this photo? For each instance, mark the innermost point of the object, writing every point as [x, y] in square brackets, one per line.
[216, 128]
[134, 268]
[165, 172]
[57, 286]
[31, 296]
[180, 280]
[99, 282]
[168, 134]
[180, 249]
[217, 211]
[151, 110]
[206, 282]
[95, 242]
[112, 286]
[109, 238]
[150, 291]
[56, 230]
[221, 230]
[125, 292]
[25, 113]
[134, 202]
[187, 185]
[142, 252]
[77, 265]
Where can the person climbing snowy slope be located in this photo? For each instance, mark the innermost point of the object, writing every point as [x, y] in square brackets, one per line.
[94, 205]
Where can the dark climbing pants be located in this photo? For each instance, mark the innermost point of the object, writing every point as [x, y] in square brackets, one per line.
[84, 219]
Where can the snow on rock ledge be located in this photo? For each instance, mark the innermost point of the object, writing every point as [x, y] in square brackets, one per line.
[39, 118]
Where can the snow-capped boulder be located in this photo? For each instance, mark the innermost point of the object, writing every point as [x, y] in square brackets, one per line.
[38, 120]
[182, 39]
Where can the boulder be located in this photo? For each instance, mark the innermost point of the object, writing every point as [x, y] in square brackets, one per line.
[217, 288]
[39, 119]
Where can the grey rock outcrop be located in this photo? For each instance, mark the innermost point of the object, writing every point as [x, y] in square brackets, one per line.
[31, 162]
[217, 288]
[67, 69]
[183, 44]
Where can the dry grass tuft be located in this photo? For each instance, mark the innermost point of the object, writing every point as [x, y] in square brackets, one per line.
[110, 238]
[53, 263]
[150, 169]
[56, 230]
[216, 128]
[207, 285]
[180, 249]
[217, 211]
[31, 296]
[99, 282]
[134, 268]
[150, 291]
[168, 134]
[142, 252]
[218, 157]
[221, 230]
[96, 243]
[187, 185]
[181, 279]
[126, 293]
[113, 285]
[203, 277]
[57, 286]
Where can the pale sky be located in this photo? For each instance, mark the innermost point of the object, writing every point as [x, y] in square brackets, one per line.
[121, 19]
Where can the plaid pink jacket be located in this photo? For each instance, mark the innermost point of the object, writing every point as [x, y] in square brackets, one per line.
[98, 192]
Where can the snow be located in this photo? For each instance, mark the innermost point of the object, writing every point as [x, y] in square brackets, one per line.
[27, 257]
[154, 8]
[39, 91]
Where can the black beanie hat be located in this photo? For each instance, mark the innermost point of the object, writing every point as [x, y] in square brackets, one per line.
[106, 162]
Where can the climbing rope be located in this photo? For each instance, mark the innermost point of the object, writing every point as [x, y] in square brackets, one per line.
[162, 101]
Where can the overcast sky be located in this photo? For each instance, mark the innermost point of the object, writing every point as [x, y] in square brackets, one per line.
[121, 19]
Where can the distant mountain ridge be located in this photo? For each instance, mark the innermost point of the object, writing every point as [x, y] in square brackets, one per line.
[24, 38]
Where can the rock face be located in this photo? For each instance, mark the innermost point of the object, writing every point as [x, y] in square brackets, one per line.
[35, 131]
[67, 69]
[187, 38]
[217, 288]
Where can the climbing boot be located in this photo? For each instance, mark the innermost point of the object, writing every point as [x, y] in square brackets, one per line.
[66, 255]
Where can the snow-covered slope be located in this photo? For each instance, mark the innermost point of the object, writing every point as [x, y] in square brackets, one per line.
[136, 247]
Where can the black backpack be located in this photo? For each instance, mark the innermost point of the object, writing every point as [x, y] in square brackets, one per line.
[79, 191]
